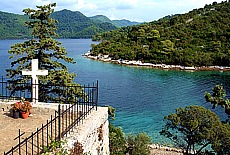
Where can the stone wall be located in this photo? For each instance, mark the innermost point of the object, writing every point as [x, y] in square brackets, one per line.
[92, 135]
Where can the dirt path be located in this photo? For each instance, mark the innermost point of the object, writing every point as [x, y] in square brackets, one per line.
[9, 126]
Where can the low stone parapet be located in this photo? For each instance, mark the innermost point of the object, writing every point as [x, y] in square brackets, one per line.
[93, 135]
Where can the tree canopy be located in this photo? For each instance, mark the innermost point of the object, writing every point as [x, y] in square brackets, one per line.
[120, 144]
[200, 37]
[71, 24]
[217, 98]
[138, 144]
[193, 128]
[49, 52]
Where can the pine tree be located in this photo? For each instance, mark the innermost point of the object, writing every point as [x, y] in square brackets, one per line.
[50, 54]
[193, 128]
[217, 98]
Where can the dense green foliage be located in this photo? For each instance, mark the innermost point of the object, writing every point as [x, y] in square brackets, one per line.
[49, 52]
[119, 144]
[12, 26]
[71, 24]
[217, 98]
[200, 37]
[101, 19]
[132, 144]
[139, 144]
[111, 113]
[194, 127]
[76, 25]
[116, 140]
[123, 22]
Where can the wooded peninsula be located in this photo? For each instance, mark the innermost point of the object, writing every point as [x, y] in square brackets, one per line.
[198, 38]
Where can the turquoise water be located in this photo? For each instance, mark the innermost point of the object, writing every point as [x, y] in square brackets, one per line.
[142, 96]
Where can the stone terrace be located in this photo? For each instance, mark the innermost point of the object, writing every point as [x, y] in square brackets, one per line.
[9, 126]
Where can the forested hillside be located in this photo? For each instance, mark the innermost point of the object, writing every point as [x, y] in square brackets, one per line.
[73, 24]
[123, 22]
[117, 23]
[101, 19]
[70, 25]
[200, 37]
[12, 26]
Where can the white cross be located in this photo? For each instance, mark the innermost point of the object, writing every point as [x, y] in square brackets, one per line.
[34, 74]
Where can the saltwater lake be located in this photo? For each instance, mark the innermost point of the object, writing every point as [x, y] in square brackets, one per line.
[142, 96]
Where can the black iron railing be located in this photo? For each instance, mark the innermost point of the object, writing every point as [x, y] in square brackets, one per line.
[68, 94]
[7, 93]
[62, 122]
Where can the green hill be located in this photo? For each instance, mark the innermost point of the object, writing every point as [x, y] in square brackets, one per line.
[12, 26]
[200, 37]
[70, 25]
[117, 23]
[101, 19]
[76, 25]
[123, 22]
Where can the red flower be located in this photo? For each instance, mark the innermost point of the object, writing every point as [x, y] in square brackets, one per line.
[18, 103]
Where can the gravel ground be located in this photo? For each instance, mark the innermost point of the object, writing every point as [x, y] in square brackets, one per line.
[9, 126]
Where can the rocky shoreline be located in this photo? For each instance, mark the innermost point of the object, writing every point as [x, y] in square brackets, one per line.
[106, 58]
[164, 150]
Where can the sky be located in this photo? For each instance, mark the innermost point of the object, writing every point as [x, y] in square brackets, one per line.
[133, 10]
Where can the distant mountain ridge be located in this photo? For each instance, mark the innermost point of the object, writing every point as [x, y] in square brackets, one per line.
[71, 24]
[117, 23]
[12, 26]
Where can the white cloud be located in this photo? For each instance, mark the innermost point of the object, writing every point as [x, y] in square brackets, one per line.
[83, 6]
[43, 2]
[80, 3]
[125, 4]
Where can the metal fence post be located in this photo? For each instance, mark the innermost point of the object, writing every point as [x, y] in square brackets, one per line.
[97, 95]
[59, 122]
[2, 87]
[19, 141]
[31, 90]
